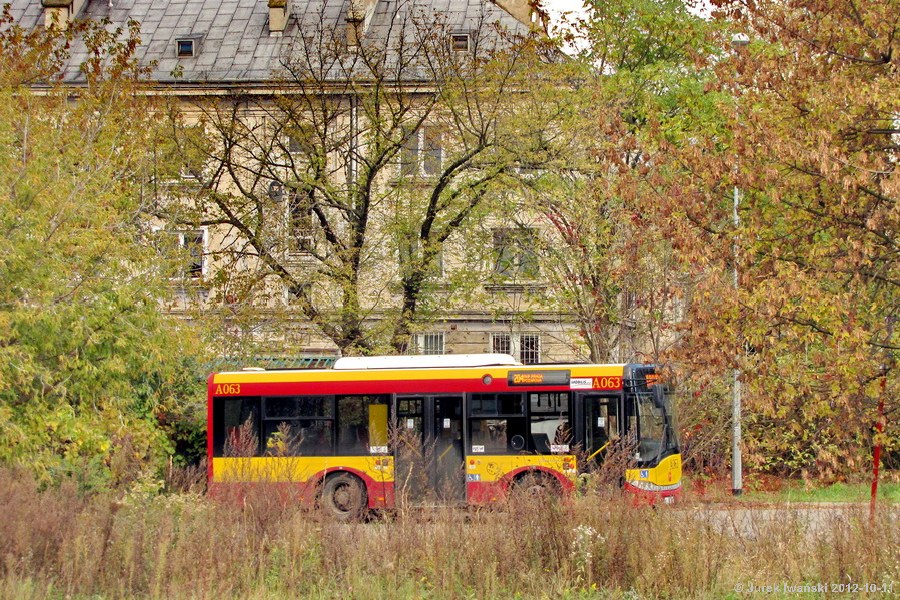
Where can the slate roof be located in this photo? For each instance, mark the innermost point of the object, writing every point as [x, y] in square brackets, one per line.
[235, 46]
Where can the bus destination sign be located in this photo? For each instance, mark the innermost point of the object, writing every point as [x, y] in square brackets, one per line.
[525, 378]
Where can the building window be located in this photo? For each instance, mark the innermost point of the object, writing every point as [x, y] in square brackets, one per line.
[191, 243]
[428, 343]
[300, 141]
[530, 349]
[460, 42]
[431, 151]
[184, 48]
[501, 343]
[300, 222]
[421, 152]
[525, 347]
[514, 253]
[186, 247]
[296, 145]
[293, 295]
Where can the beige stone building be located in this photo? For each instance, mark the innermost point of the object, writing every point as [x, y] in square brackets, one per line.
[486, 289]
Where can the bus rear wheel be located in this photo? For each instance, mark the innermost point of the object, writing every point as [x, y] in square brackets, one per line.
[344, 497]
[535, 485]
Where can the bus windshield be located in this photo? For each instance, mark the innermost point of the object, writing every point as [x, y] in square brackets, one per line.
[657, 437]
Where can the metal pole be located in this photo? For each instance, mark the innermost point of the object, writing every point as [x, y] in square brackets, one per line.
[738, 41]
[876, 459]
[736, 462]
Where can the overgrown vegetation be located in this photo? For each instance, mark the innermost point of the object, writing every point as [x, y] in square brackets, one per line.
[59, 543]
[87, 357]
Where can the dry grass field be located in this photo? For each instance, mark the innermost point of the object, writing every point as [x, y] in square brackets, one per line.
[58, 544]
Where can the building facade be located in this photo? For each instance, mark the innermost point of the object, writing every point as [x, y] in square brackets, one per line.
[259, 62]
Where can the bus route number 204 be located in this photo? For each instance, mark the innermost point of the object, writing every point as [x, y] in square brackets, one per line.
[228, 389]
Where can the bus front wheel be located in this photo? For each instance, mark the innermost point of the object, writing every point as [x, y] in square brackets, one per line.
[344, 497]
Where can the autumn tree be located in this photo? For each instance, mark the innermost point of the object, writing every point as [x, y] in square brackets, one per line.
[609, 260]
[809, 154]
[345, 184]
[86, 357]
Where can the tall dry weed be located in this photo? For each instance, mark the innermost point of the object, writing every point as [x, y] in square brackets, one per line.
[184, 545]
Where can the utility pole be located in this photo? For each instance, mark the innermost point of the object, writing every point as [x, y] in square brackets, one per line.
[738, 42]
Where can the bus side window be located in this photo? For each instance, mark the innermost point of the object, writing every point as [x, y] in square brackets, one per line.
[497, 424]
[298, 425]
[236, 425]
[355, 415]
[548, 414]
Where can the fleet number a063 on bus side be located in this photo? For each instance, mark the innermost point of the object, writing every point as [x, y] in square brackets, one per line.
[463, 428]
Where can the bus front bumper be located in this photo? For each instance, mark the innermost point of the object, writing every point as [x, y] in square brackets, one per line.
[650, 493]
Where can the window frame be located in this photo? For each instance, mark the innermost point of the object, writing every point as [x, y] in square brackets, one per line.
[515, 345]
[365, 400]
[514, 257]
[561, 414]
[454, 40]
[438, 345]
[422, 152]
[190, 43]
[300, 222]
[180, 235]
[328, 403]
[515, 422]
[407, 249]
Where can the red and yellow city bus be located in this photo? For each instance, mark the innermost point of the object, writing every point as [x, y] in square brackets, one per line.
[463, 428]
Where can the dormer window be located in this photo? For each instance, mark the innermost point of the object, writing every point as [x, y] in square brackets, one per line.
[184, 48]
[459, 42]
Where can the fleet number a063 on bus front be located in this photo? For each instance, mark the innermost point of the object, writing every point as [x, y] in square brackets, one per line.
[446, 429]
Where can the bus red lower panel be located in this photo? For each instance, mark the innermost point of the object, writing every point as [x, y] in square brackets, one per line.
[299, 494]
[486, 492]
[380, 494]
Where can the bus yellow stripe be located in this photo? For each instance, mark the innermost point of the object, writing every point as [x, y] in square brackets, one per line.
[402, 374]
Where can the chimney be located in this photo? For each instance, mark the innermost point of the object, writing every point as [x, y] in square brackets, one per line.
[59, 13]
[359, 14]
[527, 12]
[278, 16]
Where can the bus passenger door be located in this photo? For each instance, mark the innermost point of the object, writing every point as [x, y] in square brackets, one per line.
[427, 436]
[410, 480]
[448, 464]
[601, 426]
